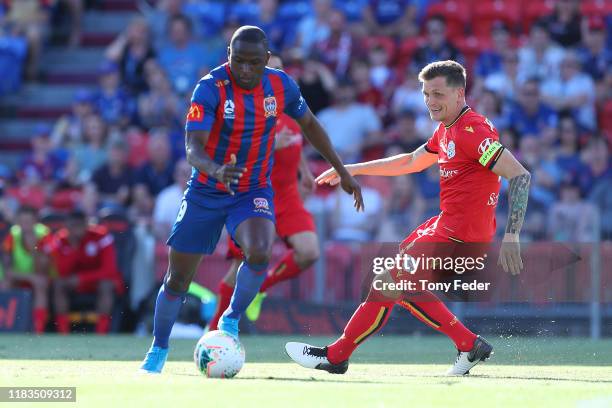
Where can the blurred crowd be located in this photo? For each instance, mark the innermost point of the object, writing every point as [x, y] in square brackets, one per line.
[541, 71]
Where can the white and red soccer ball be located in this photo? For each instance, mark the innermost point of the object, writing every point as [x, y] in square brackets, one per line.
[218, 355]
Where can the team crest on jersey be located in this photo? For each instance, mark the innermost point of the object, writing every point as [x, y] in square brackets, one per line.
[228, 109]
[450, 149]
[269, 106]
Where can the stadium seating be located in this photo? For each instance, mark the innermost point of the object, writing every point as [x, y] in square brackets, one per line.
[534, 11]
[487, 13]
[456, 14]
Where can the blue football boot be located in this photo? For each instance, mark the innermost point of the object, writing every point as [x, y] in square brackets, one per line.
[228, 325]
[154, 360]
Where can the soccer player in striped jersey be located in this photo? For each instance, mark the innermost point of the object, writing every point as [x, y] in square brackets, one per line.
[229, 143]
[294, 224]
[466, 147]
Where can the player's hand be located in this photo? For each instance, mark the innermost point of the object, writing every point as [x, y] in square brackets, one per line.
[510, 254]
[350, 185]
[331, 177]
[229, 174]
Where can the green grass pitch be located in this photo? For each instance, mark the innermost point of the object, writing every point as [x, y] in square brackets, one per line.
[388, 371]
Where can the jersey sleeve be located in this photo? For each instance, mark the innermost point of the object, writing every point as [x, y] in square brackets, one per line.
[204, 101]
[295, 104]
[481, 143]
[432, 145]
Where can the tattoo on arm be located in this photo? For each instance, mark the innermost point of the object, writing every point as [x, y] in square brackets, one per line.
[518, 194]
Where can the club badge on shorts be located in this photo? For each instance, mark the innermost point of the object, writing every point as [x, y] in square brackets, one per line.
[261, 203]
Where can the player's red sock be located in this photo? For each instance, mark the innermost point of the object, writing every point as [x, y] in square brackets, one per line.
[285, 269]
[63, 323]
[103, 324]
[39, 318]
[223, 302]
[433, 312]
[367, 320]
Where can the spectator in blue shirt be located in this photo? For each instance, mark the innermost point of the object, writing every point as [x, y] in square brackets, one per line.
[114, 104]
[490, 60]
[279, 33]
[437, 47]
[529, 115]
[595, 56]
[389, 17]
[183, 59]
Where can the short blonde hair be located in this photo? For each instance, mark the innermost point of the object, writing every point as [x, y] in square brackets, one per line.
[453, 71]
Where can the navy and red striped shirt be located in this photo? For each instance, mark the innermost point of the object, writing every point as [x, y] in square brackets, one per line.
[241, 122]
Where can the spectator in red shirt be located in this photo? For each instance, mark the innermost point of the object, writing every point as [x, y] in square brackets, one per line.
[86, 263]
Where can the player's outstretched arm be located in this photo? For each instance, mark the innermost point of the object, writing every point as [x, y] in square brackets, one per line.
[518, 194]
[317, 137]
[227, 173]
[396, 165]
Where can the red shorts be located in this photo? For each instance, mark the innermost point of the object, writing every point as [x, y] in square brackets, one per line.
[291, 218]
[91, 286]
[441, 257]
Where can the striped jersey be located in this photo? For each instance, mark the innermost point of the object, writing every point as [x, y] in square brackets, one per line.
[241, 122]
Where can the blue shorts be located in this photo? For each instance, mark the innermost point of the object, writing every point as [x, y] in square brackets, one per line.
[202, 216]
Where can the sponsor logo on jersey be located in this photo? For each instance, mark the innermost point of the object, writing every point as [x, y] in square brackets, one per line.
[469, 129]
[228, 109]
[448, 173]
[196, 113]
[484, 145]
[269, 106]
[493, 199]
[487, 149]
[450, 149]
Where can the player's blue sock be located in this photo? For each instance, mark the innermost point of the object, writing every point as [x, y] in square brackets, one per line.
[248, 281]
[167, 309]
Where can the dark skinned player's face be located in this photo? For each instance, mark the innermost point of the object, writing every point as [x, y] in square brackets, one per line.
[247, 62]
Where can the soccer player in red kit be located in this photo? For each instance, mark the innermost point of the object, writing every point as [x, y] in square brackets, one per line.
[86, 263]
[294, 224]
[466, 147]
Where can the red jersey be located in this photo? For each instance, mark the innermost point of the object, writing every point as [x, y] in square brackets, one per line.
[287, 156]
[93, 259]
[467, 149]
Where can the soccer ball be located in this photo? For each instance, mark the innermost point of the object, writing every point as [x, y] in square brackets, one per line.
[218, 355]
